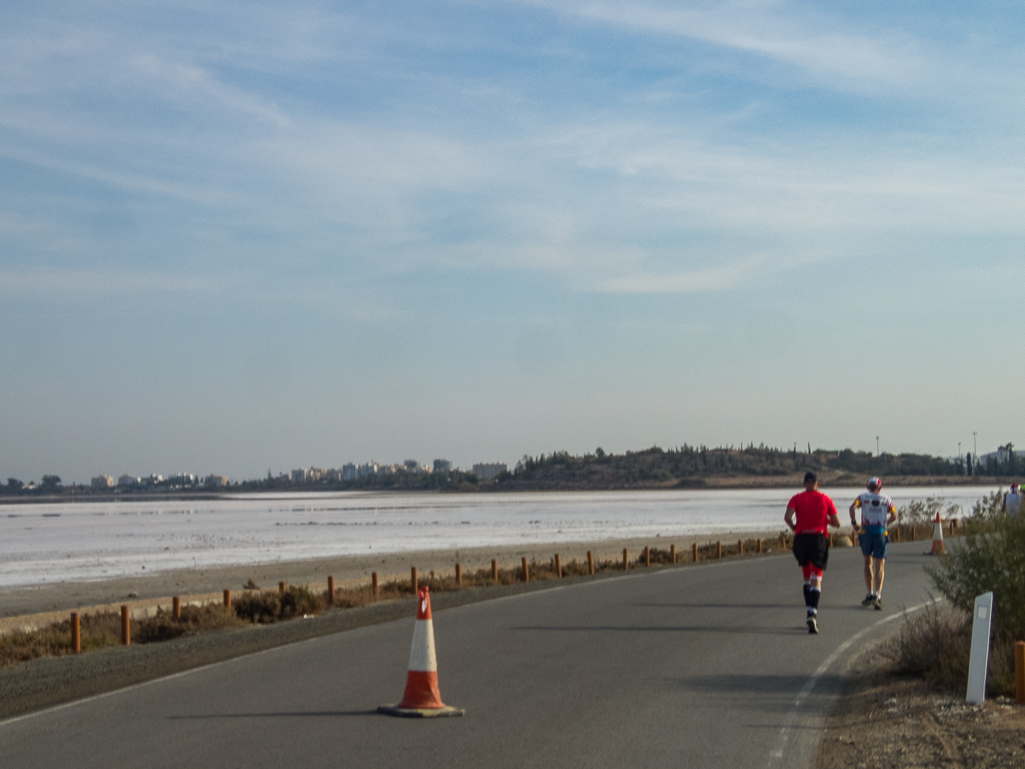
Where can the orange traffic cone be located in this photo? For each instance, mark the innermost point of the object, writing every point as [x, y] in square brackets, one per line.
[937, 538]
[422, 699]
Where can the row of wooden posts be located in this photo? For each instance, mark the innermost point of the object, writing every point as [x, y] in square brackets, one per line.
[176, 608]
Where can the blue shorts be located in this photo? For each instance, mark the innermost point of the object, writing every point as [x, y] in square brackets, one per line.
[873, 545]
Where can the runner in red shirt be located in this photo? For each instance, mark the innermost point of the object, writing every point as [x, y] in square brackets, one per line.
[814, 511]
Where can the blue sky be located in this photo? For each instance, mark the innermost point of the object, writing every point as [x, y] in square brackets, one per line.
[236, 236]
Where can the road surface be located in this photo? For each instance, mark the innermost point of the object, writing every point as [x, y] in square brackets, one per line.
[704, 666]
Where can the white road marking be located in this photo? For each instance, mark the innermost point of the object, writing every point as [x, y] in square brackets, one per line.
[784, 734]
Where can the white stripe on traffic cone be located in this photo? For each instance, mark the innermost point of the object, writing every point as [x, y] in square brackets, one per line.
[937, 538]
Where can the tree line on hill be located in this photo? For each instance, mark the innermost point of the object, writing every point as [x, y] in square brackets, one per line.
[694, 466]
[681, 467]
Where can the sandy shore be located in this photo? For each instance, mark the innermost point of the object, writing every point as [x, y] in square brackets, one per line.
[33, 606]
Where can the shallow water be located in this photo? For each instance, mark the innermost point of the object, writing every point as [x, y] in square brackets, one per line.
[87, 541]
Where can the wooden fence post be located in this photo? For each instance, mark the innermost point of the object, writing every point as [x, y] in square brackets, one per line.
[672, 553]
[759, 547]
[1019, 672]
[494, 570]
[413, 579]
[694, 552]
[282, 588]
[590, 562]
[718, 549]
[626, 559]
[176, 607]
[647, 556]
[459, 574]
[375, 586]
[227, 599]
[126, 627]
[330, 590]
[526, 570]
[740, 547]
[76, 633]
[558, 566]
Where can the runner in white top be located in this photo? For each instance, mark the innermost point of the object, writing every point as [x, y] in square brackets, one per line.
[1012, 500]
[877, 513]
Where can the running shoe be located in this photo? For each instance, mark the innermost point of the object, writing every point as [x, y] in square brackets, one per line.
[813, 626]
[869, 600]
[878, 603]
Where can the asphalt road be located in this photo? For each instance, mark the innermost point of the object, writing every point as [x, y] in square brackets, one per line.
[704, 666]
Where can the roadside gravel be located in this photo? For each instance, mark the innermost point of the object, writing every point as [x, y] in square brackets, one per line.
[886, 722]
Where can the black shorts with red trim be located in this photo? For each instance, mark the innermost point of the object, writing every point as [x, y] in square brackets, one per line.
[812, 549]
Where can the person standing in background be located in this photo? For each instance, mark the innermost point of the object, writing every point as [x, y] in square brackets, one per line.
[877, 513]
[1012, 500]
[808, 515]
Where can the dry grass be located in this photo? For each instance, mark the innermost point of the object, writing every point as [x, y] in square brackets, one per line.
[194, 619]
[266, 607]
[97, 631]
[935, 644]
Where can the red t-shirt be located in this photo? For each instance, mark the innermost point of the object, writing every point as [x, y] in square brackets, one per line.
[813, 509]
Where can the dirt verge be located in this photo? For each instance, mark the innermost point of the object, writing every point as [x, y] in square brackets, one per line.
[881, 721]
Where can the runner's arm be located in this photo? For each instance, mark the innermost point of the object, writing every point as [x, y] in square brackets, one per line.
[832, 516]
[891, 514]
[789, 518]
[854, 506]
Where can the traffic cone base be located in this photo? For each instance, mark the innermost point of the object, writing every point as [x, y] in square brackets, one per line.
[395, 710]
[422, 698]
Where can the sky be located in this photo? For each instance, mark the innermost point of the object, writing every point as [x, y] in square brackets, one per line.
[242, 236]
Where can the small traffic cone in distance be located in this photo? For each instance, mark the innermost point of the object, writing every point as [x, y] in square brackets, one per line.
[938, 547]
[422, 698]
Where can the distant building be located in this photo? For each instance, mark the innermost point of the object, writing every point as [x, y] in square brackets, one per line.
[183, 479]
[488, 472]
[411, 465]
[129, 480]
[442, 466]
[349, 472]
[102, 482]
[333, 475]
[215, 481]
[301, 475]
[367, 470]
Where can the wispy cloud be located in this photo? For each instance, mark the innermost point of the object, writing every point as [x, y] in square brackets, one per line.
[715, 279]
[822, 45]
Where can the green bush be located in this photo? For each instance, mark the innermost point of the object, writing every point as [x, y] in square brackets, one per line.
[990, 557]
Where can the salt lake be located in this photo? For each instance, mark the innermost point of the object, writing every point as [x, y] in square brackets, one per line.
[68, 542]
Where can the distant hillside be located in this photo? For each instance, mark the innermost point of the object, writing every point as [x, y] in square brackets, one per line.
[689, 467]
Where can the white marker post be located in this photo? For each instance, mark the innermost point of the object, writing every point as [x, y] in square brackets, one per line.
[979, 661]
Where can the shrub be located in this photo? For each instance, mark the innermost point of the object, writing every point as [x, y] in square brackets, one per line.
[935, 644]
[990, 557]
[195, 619]
[98, 630]
[264, 608]
[918, 512]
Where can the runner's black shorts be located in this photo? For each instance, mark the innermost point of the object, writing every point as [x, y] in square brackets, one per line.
[812, 549]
